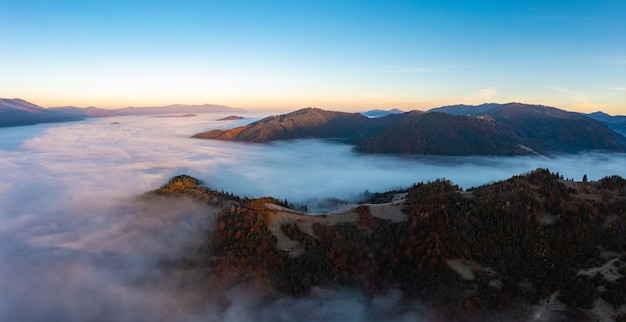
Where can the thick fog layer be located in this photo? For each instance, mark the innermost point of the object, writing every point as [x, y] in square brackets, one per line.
[76, 242]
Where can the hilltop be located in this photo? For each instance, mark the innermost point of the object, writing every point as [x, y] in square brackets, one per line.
[534, 239]
[304, 123]
[490, 129]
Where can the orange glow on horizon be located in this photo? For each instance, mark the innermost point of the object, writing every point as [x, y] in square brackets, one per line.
[291, 104]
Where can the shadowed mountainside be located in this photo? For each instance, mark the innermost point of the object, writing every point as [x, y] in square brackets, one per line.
[443, 134]
[615, 122]
[535, 239]
[547, 128]
[491, 129]
[18, 112]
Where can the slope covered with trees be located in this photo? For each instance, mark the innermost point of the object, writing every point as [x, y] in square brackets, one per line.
[305, 123]
[547, 128]
[616, 122]
[524, 239]
[489, 129]
[443, 134]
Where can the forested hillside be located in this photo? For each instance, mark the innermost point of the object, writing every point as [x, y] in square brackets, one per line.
[489, 129]
[524, 239]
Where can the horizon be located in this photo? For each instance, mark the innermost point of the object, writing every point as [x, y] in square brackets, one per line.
[350, 56]
[289, 110]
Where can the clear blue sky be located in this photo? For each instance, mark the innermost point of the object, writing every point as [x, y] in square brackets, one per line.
[344, 55]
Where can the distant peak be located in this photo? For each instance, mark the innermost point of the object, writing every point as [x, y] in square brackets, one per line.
[376, 113]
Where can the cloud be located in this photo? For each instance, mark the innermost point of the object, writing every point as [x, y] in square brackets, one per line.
[618, 88]
[77, 243]
[579, 99]
[486, 93]
[564, 90]
[483, 95]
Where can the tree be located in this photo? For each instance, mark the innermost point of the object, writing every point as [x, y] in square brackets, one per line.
[585, 178]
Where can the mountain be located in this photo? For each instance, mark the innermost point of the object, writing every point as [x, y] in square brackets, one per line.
[545, 128]
[463, 109]
[381, 113]
[550, 129]
[17, 112]
[443, 134]
[152, 110]
[490, 129]
[617, 123]
[231, 118]
[304, 123]
[534, 241]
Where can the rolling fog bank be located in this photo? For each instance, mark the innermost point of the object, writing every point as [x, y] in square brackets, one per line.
[77, 244]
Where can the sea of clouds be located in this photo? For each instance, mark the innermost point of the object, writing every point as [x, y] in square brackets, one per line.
[78, 243]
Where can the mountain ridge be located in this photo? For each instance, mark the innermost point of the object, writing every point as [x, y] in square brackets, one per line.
[19, 112]
[615, 122]
[493, 129]
[545, 127]
[146, 110]
[534, 238]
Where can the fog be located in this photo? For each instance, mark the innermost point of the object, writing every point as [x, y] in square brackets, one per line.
[77, 242]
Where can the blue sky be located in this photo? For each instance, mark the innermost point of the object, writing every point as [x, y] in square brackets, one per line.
[343, 55]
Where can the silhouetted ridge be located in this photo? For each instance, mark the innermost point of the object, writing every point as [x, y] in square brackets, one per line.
[18, 112]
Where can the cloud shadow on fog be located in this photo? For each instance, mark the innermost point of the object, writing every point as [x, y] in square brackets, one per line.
[77, 245]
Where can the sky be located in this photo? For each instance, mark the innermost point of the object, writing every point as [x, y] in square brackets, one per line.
[340, 55]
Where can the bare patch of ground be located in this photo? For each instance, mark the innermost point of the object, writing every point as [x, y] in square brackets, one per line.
[391, 211]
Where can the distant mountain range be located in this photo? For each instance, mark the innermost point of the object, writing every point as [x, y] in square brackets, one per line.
[17, 112]
[488, 129]
[151, 110]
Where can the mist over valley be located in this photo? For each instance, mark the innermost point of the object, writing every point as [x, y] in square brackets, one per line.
[312, 161]
[82, 241]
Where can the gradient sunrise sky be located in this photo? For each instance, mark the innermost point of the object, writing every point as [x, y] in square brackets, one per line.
[341, 55]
